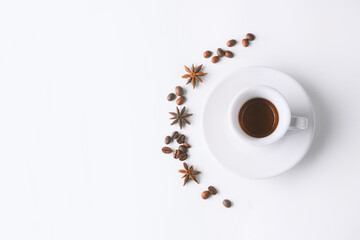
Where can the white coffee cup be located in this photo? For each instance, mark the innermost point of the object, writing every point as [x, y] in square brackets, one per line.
[285, 120]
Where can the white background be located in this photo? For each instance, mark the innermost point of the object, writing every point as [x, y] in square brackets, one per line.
[83, 115]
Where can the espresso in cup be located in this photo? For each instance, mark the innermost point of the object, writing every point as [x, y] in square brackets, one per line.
[261, 115]
[258, 117]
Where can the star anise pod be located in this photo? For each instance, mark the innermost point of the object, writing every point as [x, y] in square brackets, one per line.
[180, 117]
[193, 75]
[189, 173]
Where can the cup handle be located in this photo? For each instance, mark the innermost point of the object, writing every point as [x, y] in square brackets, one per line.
[298, 123]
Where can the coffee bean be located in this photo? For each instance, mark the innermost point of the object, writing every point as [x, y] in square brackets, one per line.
[220, 52]
[175, 135]
[207, 54]
[166, 150]
[231, 43]
[181, 139]
[245, 42]
[183, 156]
[181, 100]
[215, 59]
[229, 54]
[187, 145]
[212, 190]
[227, 203]
[205, 194]
[168, 139]
[250, 36]
[183, 149]
[179, 91]
[176, 154]
[171, 96]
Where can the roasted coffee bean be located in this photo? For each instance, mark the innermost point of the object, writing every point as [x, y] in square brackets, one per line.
[168, 139]
[220, 52]
[176, 154]
[207, 54]
[229, 54]
[227, 203]
[205, 194]
[250, 36]
[187, 145]
[183, 149]
[175, 135]
[181, 139]
[231, 43]
[245, 42]
[212, 190]
[215, 59]
[166, 150]
[180, 100]
[183, 156]
[171, 96]
[179, 91]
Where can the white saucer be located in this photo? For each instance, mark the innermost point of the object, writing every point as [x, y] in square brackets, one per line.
[240, 157]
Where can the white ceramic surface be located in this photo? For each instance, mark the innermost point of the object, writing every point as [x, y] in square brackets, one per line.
[238, 156]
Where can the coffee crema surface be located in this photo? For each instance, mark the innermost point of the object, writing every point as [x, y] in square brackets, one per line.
[258, 117]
